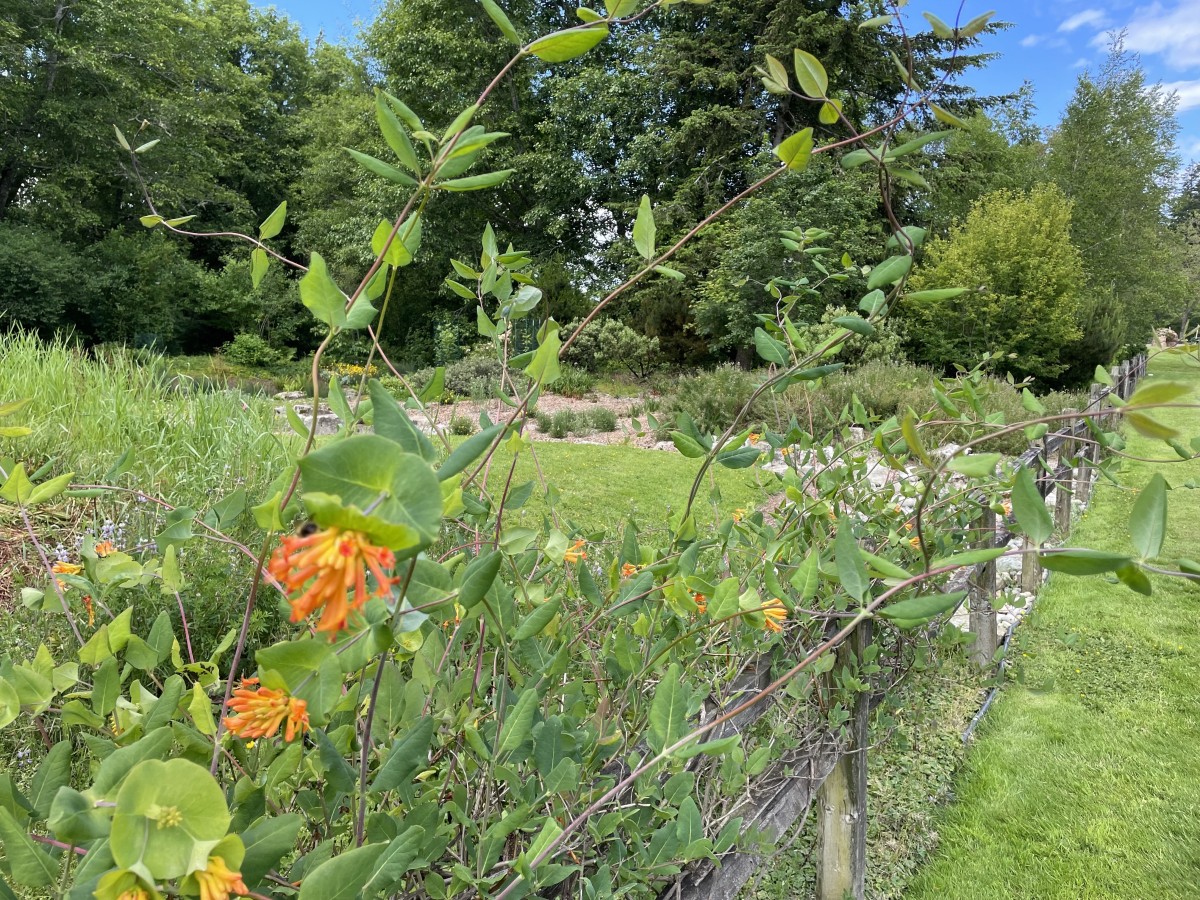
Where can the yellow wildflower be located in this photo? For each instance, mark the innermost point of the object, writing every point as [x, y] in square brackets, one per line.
[575, 554]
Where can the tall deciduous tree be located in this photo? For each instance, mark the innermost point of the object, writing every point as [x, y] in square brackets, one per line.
[1114, 156]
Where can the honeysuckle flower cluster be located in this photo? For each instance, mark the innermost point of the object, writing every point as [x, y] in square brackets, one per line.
[260, 712]
[328, 569]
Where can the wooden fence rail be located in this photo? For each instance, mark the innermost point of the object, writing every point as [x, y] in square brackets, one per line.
[832, 774]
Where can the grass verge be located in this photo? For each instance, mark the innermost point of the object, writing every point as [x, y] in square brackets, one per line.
[1083, 782]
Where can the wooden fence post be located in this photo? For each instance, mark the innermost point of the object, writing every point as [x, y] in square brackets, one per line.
[981, 588]
[842, 799]
[1064, 487]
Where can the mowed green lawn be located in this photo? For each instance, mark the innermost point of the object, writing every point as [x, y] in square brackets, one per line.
[601, 486]
[1084, 782]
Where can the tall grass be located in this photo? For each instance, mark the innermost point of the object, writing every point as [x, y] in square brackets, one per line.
[186, 444]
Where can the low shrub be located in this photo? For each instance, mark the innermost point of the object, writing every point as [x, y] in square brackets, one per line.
[462, 426]
[565, 423]
[573, 382]
[602, 420]
[252, 350]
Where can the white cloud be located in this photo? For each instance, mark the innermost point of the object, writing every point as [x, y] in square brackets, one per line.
[1187, 91]
[1080, 63]
[1031, 40]
[1095, 18]
[1189, 148]
[1172, 32]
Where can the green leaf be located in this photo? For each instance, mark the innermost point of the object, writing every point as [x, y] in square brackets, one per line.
[395, 861]
[395, 135]
[407, 757]
[259, 263]
[777, 75]
[343, 877]
[923, 607]
[496, 14]
[118, 764]
[267, 841]
[382, 169]
[673, 274]
[946, 117]
[475, 182]
[811, 74]
[544, 368]
[851, 568]
[518, 724]
[687, 445]
[469, 451]
[643, 229]
[29, 864]
[1102, 376]
[1082, 562]
[978, 465]
[201, 712]
[976, 25]
[392, 422]
[1148, 427]
[536, 621]
[830, 112]
[169, 816]
[121, 139]
[889, 271]
[857, 324]
[1135, 579]
[795, 151]
[568, 43]
[772, 350]
[618, 8]
[151, 221]
[741, 458]
[881, 567]
[969, 558]
[409, 117]
[935, 295]
[1148, 520]
[321, 295]
[1152, 393]
[668, 710]
[477, 580]
[366, 472]
[48, 490]
[940, 28]
[75, 819]
[876, 22]
[908, 428]
[273, 224]
[718, 747]
[806, 577]
[53, 773]
[361, 313]
[1030, 509]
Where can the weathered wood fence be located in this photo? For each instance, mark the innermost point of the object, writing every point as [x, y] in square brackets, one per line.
[833, 774]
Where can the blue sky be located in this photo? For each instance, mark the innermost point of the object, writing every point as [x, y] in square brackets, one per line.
[1049, 45]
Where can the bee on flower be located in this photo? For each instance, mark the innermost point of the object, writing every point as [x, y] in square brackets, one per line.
[739, 514]
[774, 614]
[1006, 505]
[754, 437]
[333, 563]
[575, 554]
[629, 570]
[701, 603]
[914, 542]
[261, 711]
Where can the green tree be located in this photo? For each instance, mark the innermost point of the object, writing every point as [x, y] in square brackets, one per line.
[1023, 281]
[1114, 156]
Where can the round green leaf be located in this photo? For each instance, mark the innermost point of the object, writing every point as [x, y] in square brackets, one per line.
[169, 817]
[366, 472]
